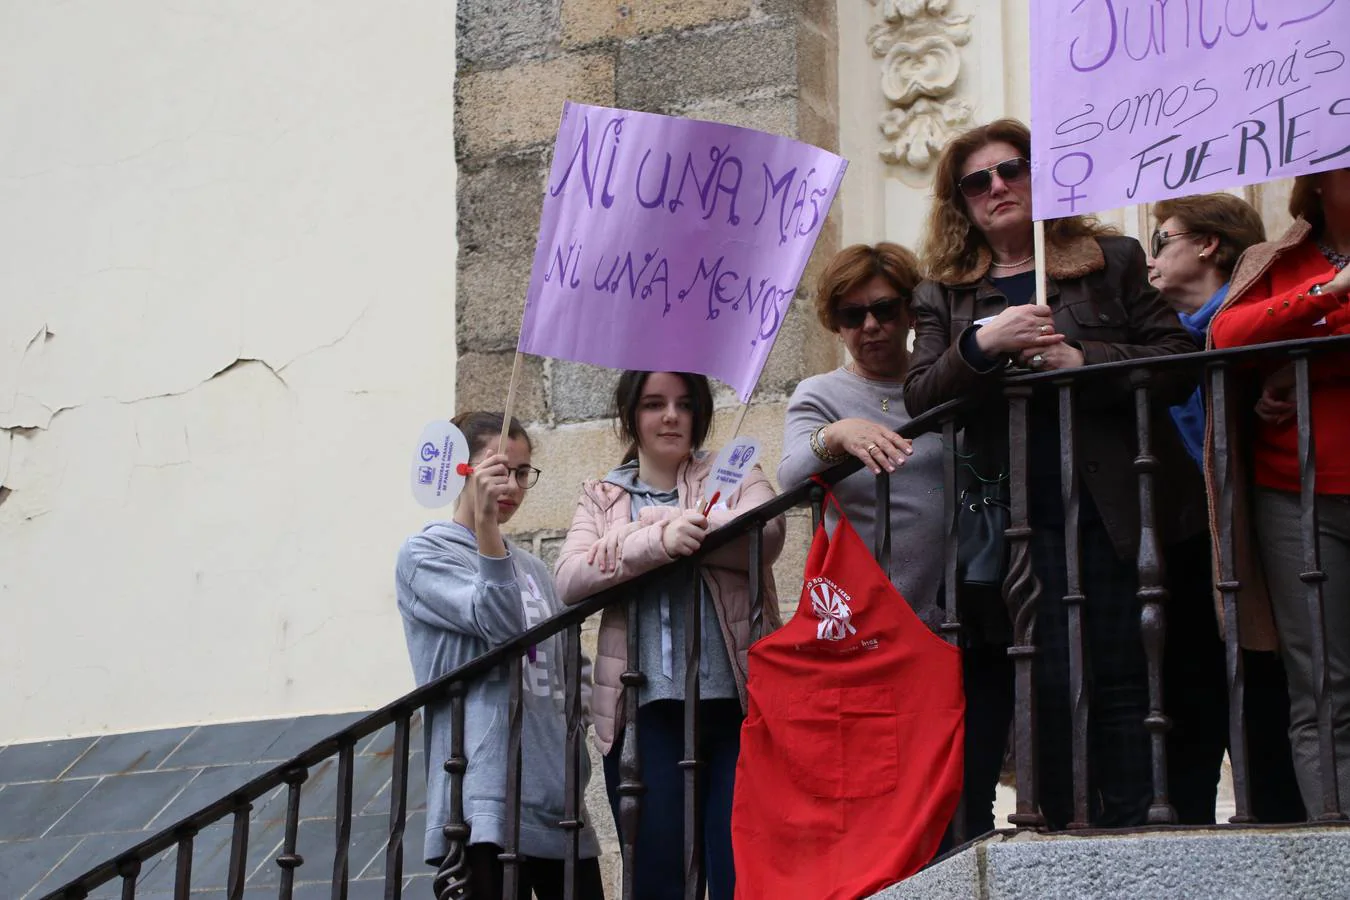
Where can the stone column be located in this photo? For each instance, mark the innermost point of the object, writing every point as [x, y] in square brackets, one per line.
[766, 64]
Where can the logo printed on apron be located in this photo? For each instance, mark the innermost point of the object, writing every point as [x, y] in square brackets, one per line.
[830, 604]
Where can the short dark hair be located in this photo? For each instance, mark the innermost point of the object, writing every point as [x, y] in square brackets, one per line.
[1230, 219]
[853, 267]
[479, 427]
[1306, 204]
[628, 395]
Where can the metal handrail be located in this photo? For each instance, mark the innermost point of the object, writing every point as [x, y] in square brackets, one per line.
[742, 526]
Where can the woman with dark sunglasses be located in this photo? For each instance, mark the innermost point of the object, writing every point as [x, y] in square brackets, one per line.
[975, 319]
[863, 295]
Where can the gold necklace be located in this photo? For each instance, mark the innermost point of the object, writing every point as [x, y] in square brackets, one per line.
[885, 401]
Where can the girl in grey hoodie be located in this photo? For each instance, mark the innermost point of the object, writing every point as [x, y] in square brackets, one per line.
[462, 590]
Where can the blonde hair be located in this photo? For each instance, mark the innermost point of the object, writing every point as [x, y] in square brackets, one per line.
[952, 243]
[854, 266]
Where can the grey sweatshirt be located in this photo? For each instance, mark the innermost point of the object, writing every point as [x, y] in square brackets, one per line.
[457, 605]
[917, 527]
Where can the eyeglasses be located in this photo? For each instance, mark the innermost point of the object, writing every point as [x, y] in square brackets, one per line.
[854, 316]
[526, 476]
[1160, 239]
[1010, 171]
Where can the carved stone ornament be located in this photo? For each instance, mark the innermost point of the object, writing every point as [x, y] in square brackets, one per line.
[919, 66]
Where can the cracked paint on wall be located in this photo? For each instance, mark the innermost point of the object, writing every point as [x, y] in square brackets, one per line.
[228, 283]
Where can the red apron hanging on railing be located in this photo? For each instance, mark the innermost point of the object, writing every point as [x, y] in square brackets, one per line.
[851, 754]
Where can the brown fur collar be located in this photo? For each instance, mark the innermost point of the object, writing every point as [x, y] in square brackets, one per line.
[1063, 262]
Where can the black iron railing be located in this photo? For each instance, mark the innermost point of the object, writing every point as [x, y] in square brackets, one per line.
[1021, 591]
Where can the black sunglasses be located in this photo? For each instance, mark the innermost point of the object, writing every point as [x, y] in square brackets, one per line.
[1161, 238]
[854, 316]
[978, 183]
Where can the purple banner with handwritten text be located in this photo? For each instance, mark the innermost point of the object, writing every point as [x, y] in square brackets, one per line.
[670, 244]
[1139, 100]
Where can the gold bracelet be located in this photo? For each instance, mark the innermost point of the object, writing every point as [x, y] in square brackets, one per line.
[820, 450]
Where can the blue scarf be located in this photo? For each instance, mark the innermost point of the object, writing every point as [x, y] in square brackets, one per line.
[1190, 416]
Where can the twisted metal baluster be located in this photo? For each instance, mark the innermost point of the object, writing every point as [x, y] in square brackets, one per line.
[182, 883]
[1313, 577]
[573, 822]
[1228, 586]
[881, 544]
[510, 855]
[452, 878]
[951, 626]
[398, 812]
[1152, 594]
[289, 860]
[631, 787]
[756, 578]
[693, 806]
[1079, 703]
[343, 825]
[1021, 591]
[129, 870]
[239, 850]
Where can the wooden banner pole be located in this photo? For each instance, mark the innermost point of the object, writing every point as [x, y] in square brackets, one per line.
[1038, 238]
[510, 402]
[737, 422]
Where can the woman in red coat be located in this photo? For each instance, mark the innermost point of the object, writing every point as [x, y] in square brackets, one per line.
[1298, 287]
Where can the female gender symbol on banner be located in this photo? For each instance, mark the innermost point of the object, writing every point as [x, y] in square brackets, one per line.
[441, 450]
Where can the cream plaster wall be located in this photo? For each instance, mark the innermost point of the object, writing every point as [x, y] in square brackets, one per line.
[226, 309]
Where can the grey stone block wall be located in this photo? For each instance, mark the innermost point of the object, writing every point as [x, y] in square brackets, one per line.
[766, 64]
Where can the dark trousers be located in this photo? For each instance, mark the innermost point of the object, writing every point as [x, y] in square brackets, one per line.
[988, 679]
[659, 869]
[1115, 682]
[1195, 690]
[542, 876]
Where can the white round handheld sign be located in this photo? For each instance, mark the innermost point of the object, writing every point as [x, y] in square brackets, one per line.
[440, 450]
[733, 463]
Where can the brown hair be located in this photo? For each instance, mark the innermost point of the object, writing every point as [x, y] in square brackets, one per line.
[628, 395]
[1232, 220]
[1305, 203]
[481, 427]
[854, 266]
[952, 243]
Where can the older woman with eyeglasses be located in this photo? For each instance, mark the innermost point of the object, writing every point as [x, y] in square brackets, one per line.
[974, 319]
[863, 295]
[1195, 246]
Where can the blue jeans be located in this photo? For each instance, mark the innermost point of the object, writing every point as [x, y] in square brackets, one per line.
[660, 839]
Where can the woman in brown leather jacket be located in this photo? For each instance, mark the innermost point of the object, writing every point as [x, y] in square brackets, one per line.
[974, 319]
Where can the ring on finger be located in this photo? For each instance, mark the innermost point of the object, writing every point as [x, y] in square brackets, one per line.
[1046, 329]
[871, 448]
[1037, 361]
